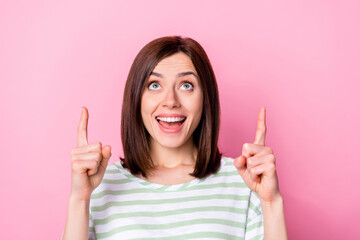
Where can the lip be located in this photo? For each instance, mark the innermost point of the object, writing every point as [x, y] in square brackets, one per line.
[170, 115]
[173, 130]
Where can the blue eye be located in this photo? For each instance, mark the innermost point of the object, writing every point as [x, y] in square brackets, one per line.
[187, 86]
[154, 86]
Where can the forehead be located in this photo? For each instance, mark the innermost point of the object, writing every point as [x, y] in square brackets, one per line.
[176, 62]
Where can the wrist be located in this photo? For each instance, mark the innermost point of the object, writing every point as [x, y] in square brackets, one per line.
[274, 219]
[276, 201]
[79, 198]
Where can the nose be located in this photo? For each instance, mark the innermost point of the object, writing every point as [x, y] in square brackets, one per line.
[171, 99]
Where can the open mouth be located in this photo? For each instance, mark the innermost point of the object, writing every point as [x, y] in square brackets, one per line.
[171, 122]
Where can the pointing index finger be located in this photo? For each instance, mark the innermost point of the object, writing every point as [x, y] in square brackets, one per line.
[261, 128]
[82, 139]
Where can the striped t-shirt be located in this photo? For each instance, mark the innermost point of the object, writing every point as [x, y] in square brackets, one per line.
[219, 206]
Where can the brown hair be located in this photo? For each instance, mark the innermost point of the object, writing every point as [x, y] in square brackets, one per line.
[134, 136]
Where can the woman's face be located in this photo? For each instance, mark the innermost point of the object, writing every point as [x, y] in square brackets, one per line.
[172, 102]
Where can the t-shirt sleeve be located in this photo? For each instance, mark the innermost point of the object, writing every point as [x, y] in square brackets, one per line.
[91, 235]
[254, 229]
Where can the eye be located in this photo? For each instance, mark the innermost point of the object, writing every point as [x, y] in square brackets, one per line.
[154, 86]
[187, 86]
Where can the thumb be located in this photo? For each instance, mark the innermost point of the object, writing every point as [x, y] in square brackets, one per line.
[240, 164]
[106, 152]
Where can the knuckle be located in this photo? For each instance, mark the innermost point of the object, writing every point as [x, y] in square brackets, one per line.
[80, 131]
[272, 166]
[73, 151]
[269, 150]
[98, 145]
[75, 164]
[253, 176]
[271, 158]
[98, 155]
[93, 164]
[74, 157]
[250, 162]
[260, 129]
[246, 146]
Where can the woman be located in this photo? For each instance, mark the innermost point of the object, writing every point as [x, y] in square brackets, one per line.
[173, 183]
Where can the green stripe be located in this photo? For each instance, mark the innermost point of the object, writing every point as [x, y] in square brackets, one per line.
[163, 188]
[196, 235]
[261, 236]
[146, 190]
[253, 226]
[219, 185]
[167, 201]
[169, 213]
[184, 186]
[229, 163]
[202, 180]
[170, 225]
[232, 173]
[146, 183]
[112, 171]
[129, 175]
[116, 181]
[255, 208]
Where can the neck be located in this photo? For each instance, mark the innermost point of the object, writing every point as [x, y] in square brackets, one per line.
[164, 157]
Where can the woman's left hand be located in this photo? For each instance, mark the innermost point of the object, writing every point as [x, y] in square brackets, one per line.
[256, 165]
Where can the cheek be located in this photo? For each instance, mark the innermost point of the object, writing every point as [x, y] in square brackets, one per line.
[195, 105]
[198, 103]
[144, 109]
[148, 106]
[199, 109]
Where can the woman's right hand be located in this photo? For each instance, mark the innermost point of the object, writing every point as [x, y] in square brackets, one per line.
[88, 162]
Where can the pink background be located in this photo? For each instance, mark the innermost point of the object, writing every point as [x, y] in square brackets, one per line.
[300, 60]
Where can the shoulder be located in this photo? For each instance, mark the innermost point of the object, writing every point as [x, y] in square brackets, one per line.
[227, 166]
[113, 177]
[227, 171]
[113, 171]
[113, 168]
[227, 160]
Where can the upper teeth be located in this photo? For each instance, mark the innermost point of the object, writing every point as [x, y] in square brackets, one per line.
[170, 119]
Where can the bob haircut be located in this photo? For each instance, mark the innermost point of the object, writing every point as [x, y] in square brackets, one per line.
[134, 136]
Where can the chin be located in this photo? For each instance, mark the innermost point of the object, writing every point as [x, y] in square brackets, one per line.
[171, 141]
[171, 144]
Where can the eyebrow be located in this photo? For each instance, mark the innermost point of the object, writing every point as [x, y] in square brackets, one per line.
[182, 74]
